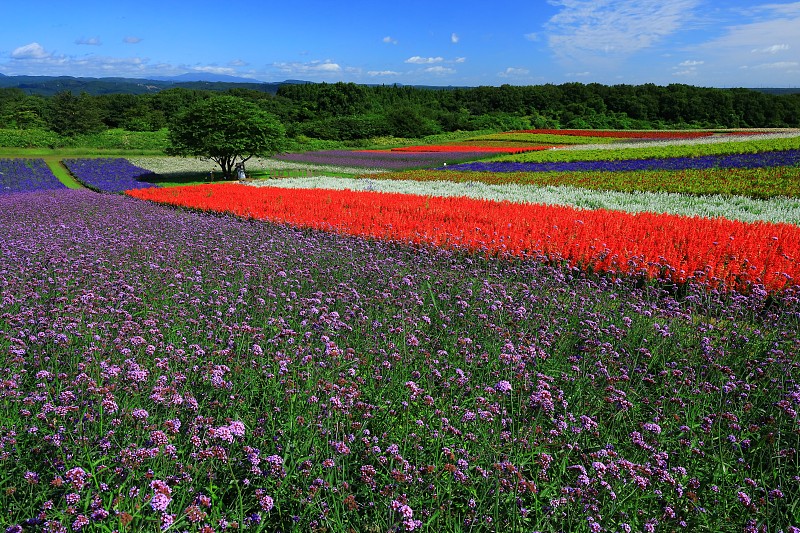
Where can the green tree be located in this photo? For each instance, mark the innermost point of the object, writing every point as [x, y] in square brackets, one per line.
[226, 130]
[74, 115]
[21, 111]
[410, 121]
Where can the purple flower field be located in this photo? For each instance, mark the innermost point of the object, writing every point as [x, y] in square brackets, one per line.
[109, 175]
[26, 175]
[381, 159]
[749, 160]
[170, 370]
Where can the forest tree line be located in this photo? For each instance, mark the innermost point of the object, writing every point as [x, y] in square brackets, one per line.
[347, 111]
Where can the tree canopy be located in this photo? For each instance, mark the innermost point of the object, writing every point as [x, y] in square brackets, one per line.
[227, 130]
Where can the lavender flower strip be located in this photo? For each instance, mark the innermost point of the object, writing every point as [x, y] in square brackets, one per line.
[27, 175]
[754, 160]
[109, 175]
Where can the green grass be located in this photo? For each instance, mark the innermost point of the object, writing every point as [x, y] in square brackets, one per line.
[61, 172]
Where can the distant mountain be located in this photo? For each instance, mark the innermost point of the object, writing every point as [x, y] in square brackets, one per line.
[50, 85]
[205, 76]
[778, 90]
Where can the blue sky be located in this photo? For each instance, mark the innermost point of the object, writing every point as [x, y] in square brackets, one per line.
[707, 43]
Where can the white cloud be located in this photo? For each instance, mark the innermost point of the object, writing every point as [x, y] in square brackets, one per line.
[228, 71]
[687, 68]
[460, 60]
[771, 32]
[454, 38]
[30, 51]
[238, 63]
[778, 65]
[774, 49]
[46, 64]
[439, 70]
[417, 60]
[389, 40]
[312, 67]
[587, 28]
[791, 9]
[327, 67]
[132, 40]
[382, 73]
[33, 59]
[91, 41]
[531, 36]
[512, 72]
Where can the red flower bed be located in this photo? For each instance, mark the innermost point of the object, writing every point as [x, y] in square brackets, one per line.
[731, 252]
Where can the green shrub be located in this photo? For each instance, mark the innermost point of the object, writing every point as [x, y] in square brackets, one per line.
[119, 139]
[31, 138]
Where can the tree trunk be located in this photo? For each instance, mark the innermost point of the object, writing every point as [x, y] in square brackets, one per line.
[226, 164]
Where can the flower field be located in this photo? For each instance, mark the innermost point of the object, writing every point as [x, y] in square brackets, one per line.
[223, 371]
[25, 175]
[419, 350]
[109, 174]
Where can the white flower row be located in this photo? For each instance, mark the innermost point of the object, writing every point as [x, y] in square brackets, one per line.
[167, 165]
[741, 208]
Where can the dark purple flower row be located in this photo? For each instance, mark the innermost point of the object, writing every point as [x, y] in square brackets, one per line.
[26, 175]
[381, 159]
[109, 174]
[780, 158]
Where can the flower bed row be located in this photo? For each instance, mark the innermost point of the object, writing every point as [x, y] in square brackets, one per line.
[685, 148]
[470, 148]
[718, 251]
[782, 158]
[621, 134]
[380, 159]
[544, 138]
[764, 182]
[26, 175]
[109, 174]
[775, 209]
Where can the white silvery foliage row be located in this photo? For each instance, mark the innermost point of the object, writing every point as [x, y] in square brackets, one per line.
[177, 165]
[779, 209]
